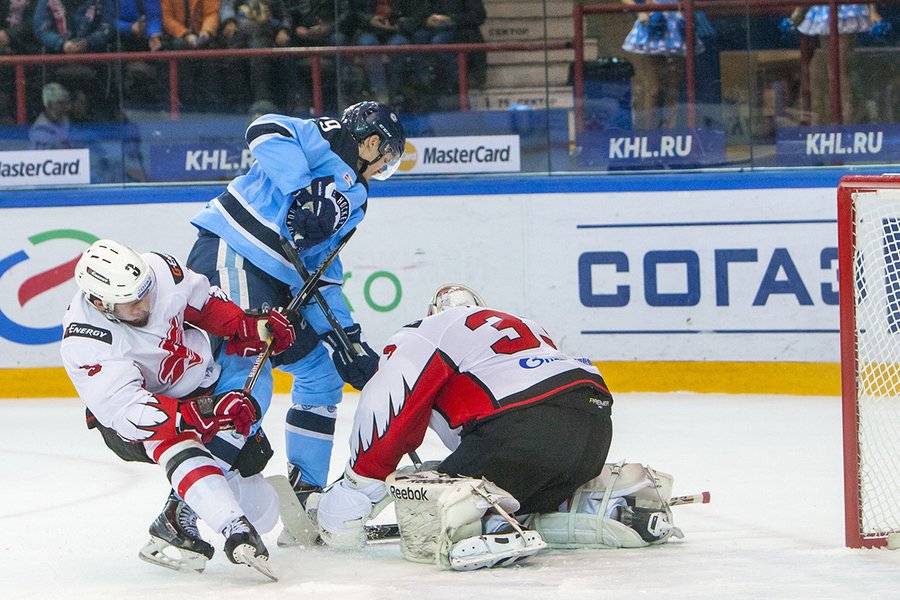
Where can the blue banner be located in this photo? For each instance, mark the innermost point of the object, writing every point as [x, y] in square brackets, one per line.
[614, 149]
[200, 161]
[837, 145]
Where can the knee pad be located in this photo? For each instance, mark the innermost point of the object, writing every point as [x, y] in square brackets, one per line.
[626, 506]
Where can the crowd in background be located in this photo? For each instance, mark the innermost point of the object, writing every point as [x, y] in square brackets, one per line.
[409, 81]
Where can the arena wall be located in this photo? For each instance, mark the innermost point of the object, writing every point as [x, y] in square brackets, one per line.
[702, 282]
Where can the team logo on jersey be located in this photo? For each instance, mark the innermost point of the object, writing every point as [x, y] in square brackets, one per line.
[343, 206]
[180, 358]
[91, 369]
[174, 267]
[88, 331]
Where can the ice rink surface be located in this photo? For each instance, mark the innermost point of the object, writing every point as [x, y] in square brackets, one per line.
[73, 516]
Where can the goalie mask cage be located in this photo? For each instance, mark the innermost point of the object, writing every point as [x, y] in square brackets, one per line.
[869, 275]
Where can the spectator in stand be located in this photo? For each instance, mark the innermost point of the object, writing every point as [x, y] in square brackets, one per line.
[385, 23]
[72, 26]
[194, 29]
[76, 27]
[447, 22]
[138, 24]
[51, 129]
[16, 37]
[251, 24]
[190, 25]
[313, 23]
[16, 30]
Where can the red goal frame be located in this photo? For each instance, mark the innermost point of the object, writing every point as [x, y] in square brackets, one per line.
[855, 537]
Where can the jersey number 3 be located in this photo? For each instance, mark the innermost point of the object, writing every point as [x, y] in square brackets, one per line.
[525, 338]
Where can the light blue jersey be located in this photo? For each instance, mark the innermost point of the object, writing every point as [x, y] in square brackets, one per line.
[245, 258]
[290, 153]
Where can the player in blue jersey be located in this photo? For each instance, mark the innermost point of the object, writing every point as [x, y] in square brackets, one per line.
[309, 184]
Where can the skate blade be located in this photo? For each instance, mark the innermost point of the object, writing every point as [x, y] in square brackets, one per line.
[154, 552]
[246, 554]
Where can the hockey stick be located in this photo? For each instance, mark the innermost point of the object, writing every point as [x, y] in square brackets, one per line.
[346, 344]
[701, 498]
[389, 531]
[309, 290]
[349, 347]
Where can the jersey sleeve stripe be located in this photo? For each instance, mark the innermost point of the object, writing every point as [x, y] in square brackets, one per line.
[261, 132]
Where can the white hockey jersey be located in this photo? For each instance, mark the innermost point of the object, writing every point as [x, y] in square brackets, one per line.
[453, 369]
[117, 368]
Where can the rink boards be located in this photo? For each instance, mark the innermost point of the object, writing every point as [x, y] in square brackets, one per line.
[703, 282]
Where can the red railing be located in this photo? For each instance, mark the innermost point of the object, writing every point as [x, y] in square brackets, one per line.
[688, 7]
[314, 54]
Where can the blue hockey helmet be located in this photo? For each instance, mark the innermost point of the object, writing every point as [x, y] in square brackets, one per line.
[364, 119]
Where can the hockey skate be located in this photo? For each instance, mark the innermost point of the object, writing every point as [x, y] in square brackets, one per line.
[299, 529]
[176, 529]
[244, 546]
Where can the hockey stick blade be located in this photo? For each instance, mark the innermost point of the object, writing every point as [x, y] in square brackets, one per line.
[701, 498]
[293, 515]
[385, 531]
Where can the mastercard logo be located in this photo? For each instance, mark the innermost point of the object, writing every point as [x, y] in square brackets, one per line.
[410, 157]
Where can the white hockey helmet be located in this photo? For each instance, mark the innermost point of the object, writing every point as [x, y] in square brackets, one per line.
[451, 295]
[113, 273]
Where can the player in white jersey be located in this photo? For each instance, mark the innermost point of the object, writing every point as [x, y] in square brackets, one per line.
[135, 346]
[512, 408]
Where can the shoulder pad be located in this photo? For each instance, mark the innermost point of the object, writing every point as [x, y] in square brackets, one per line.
[88, 331]
[174, 267]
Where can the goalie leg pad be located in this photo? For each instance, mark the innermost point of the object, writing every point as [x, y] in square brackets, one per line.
[626, 506]
[435, 512]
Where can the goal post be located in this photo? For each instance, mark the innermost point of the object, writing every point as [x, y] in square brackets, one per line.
[869, 281]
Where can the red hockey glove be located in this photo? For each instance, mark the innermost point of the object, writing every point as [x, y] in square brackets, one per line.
[229, 410]
[253, 330]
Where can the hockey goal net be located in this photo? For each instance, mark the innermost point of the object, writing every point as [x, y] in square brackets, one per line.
[869, 267]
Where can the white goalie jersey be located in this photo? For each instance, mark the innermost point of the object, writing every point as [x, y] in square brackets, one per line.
[117, 369]
[451, 370]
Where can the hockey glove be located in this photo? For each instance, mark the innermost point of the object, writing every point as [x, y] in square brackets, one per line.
[356, 368]
[253, 330]
[209, 415]
[316, 213]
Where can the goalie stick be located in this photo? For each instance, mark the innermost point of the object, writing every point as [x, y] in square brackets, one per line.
[389, 531]
[309, 290]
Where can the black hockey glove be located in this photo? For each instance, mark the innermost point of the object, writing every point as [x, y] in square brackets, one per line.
[316, 212]
[357, 369]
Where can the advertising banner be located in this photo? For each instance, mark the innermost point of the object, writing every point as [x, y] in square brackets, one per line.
[837, 145]
[740, 275]
[44, 167]
[615, 148]
[461, 154]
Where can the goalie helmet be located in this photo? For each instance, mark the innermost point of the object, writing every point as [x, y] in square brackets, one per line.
[452, 295]
[367, 118]
[113, 273]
